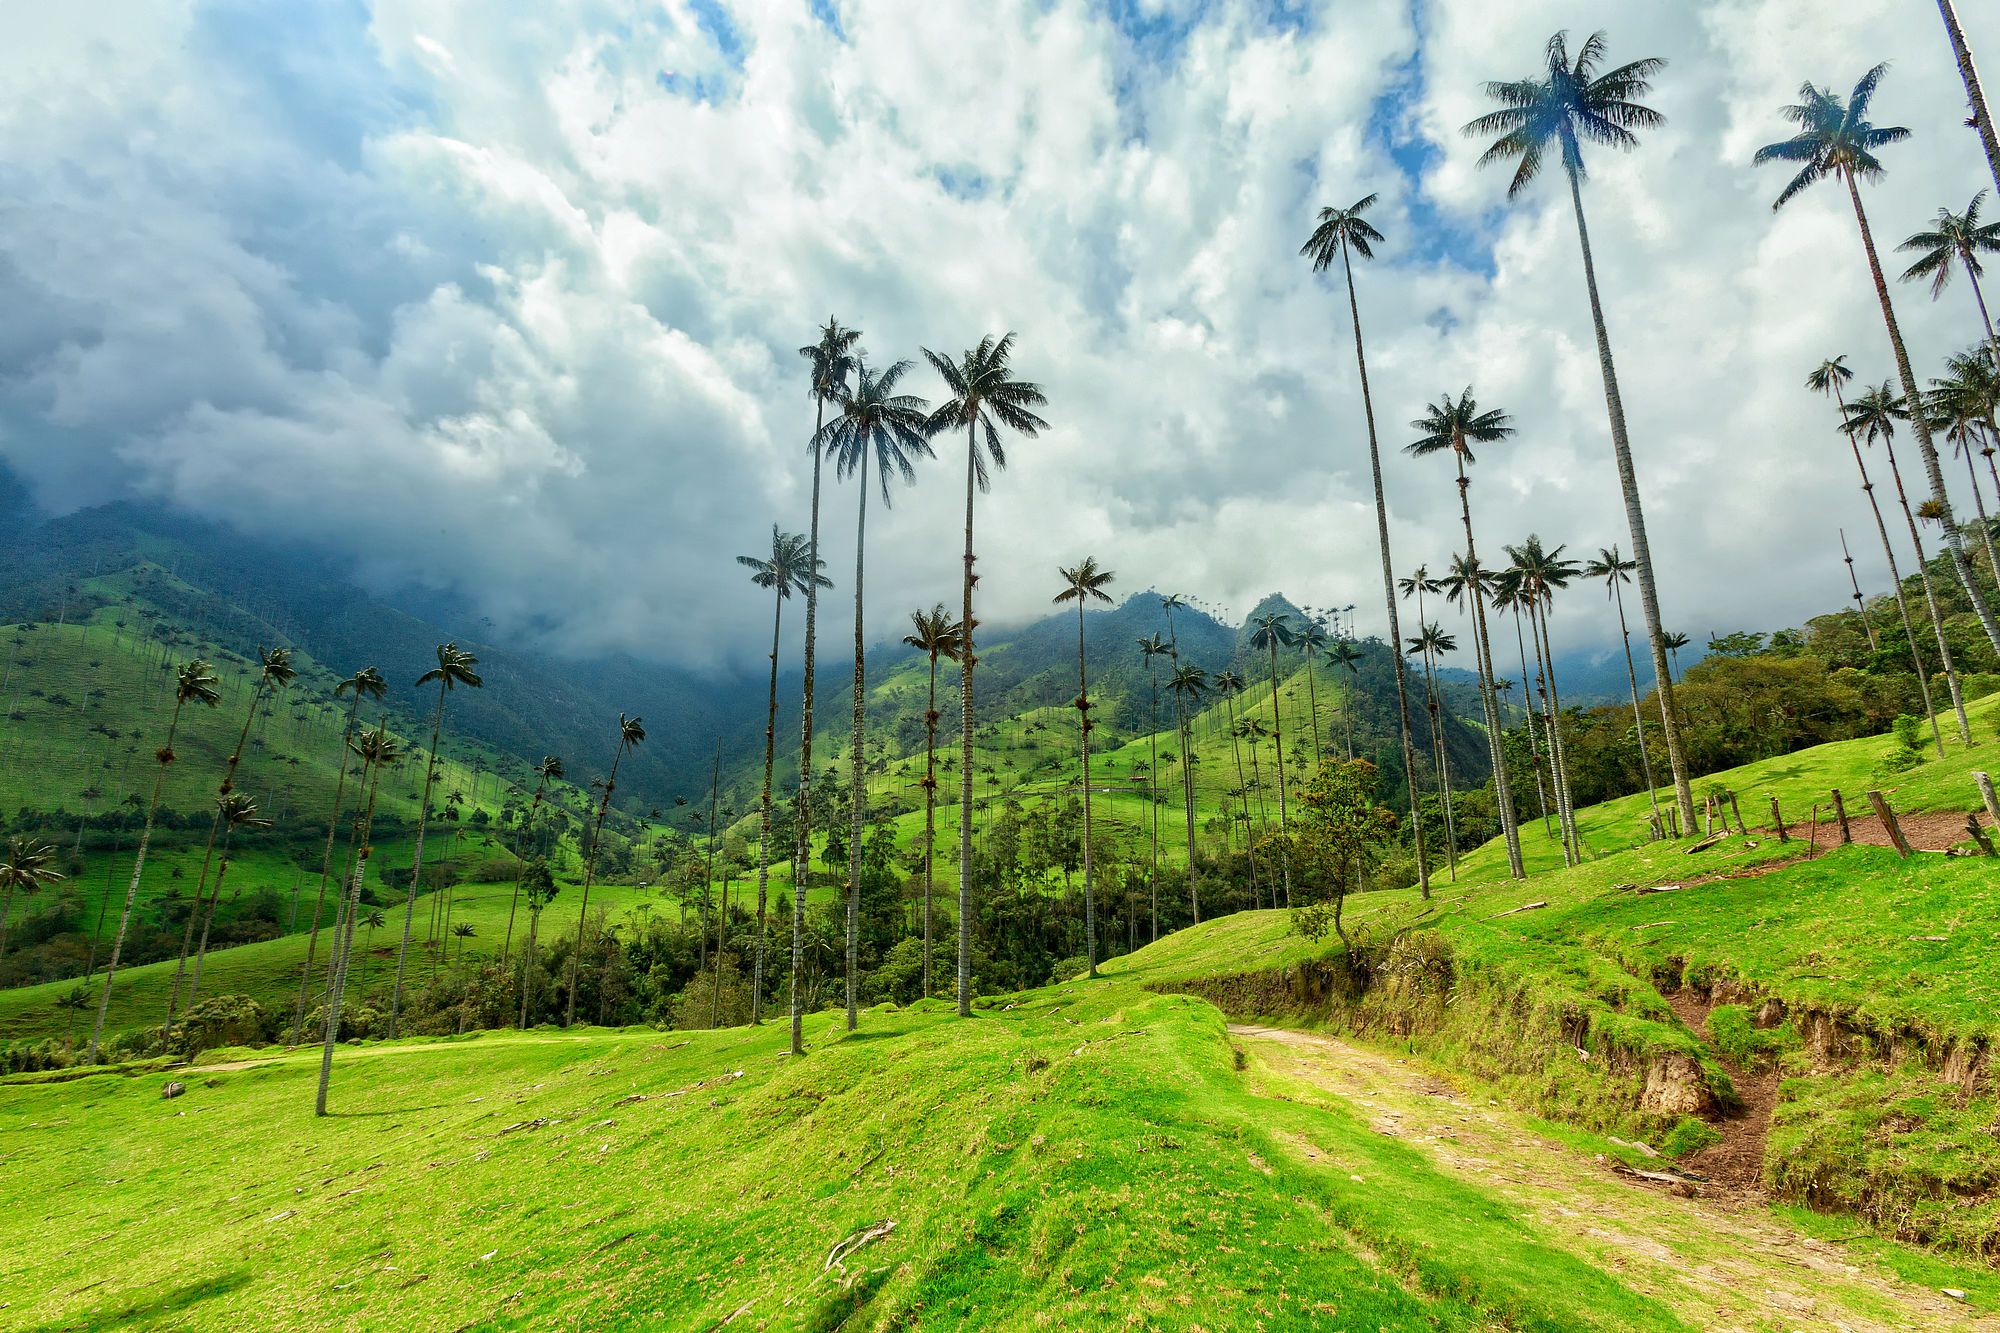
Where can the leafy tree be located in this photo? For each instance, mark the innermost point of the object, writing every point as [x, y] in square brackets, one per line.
[193, 683]
[1340, 826]
[630, 734]
[982, 395]
[1837, 139]
[1566, 106]
[367, 681]
[1082, 584]
[454, 668]
[936, 635]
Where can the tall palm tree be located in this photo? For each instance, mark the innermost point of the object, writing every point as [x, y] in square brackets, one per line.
[1956, 239]
[1540, 573]
[1860, 602]
[1345, 655]
[1838, 140]
[1188, 684]
[538, 884]
[936, 635]
[832, 361]
[374, 921]
[549, 770]
[1430, 641]
[1831, 378]
[1982, 119]
[368, 683]
[1153, 647]
[1228, 684]
[1455, 425]
[193, 683]
[1873, 416]
[27, 867]
[1253, 730]
[1676, 641]
[274, 672]
[463, 931]
[1311, 640]
[378, 750]
[1567, 105]
[1274, 631]
[238, 812]
[981, 395]
[630, 733]
[1340, 231]
[1507, 597]
[874, 419]
[1616, 571]
[788, 570]
[454, 668]
[1962, 405]
[1082, 584]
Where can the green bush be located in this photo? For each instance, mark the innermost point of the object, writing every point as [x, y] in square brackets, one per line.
[1688, 1136]
[1909, 731]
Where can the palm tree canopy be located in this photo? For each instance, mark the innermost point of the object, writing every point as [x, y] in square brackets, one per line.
[1346, 653]
[550, 769]
[367, 681]
[378, 747]
[1464, 574]
[239, 811]
[28, 864]
[631, 731]
[832, 359]
[1966, 399]
[1954, 239]
[786, 570]
[1311, 636]
[1420, 580]
[1829, 377]
[1228, 682]
[1569, 105]
[1834, 138]
[464, 930]
[1191, 682]
[275, 667]
[1274, 630]
[1538, 572]
[194, 682]
[1458, 425]
[1152, 646]
[935, 633]
[1338, 226]
[1084, 582]
[874, 417]
[1675, 642]
[1875, 413]
[1610, 567]
[981, 392]
[454, 668]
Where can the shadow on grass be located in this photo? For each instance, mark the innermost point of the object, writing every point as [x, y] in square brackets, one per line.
[170, 1303]
[394, 1110]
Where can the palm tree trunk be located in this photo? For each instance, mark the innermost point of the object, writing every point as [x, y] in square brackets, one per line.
[325, 870]
[764, 835]
[1437, 753]
[1187, 802]
[1083, 733]
[521, 868]
[858, 764]
[1930, 595]
[708, 892]
[1243, 789]
[1153, 783]
[1278, 733]
[802, 857]
[132, 888]
[1566, 794]
[1635, 518]
[1895, 579]
[1388, 580]
[1928, 452]
[1534, 747]
[1529, 695]
[930, 816]
[417, 866]
[187, 935]
[1312, 703]
[528, 964]
[1981, 117]
[1632, 679]
[1502, 788]
[1979, 507]
[589, 870]
[966, 660]
[344, 949]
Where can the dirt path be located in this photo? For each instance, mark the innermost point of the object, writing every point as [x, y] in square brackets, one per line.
[1736, 1164]
[1722, 1261]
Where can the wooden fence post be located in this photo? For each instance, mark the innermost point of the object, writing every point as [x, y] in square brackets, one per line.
[1778, 822]
[1737, 810]
[1986, 794]
[1978, 835]
[1707, 815]
[1888, 817]
[1840, 813]
[1674, 819]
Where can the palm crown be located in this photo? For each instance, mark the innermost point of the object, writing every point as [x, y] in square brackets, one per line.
[874, 417]
[935, 632]
[1834, 138]
[1457, 426]
[1084, 582]
[377, 747]
[454, 668]
[367, 681]
[631, 731]
[275, 667]
[1829, 377]
[1537, 572]
[1228, 682]
[1340, 227]
[1953, 237]
[982, 396]
[832, 359]
[194, 682]
[1875, 413]
[550, 769]
[1611, 568]
[28, 865]
[1274, 630]
[1569, 105]
[1191, 682]
[786, 570]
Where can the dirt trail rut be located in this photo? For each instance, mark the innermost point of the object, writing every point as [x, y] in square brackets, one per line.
[1722, 1261]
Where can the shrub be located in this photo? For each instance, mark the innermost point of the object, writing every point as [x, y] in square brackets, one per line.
[1909, 731]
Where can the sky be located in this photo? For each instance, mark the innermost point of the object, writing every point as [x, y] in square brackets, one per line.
[511, 307]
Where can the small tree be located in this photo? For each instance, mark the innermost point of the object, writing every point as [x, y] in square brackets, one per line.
[1331, 843]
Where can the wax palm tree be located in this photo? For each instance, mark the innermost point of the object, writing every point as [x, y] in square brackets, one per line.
[462, 932]
[981, 395]
[365, 683]
[935, 634]
[193, 683]
[1189, 684]
[1416, 584]
[1871, 417]
[1831, 378]
[1341, 231]
[1228, 684]
[29, 865]
[538, 885]
[1454, 426]
[1981, 119]
[274, 672]
[1274, 631]
[1675, 642]
[374, 921]
[549, 770]
[1616, 571]
[1253, 730]
[1836, 139]
[453, 669]
[1507, 596]
[1961, 405]
[1956, 240]
[1152, 647]
[1344, 655]
[1084, 583]
[1567, 104]
[832, 360]
[378, 751]
[1430, 641]
[788, 570]
[1539, 574]
[238, 812]
[630, 733]
[874, 420]
[1311, 639]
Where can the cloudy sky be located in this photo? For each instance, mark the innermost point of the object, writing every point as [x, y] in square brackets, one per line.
[512, 306]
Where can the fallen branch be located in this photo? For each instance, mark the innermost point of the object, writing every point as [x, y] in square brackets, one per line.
[1645, 889]
[846, 1248]
[1705, 843]
[1656, 925]
[1524, 907]
[1669, 1177]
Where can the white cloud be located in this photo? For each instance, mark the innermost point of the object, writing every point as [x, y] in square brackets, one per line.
[512, 306]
